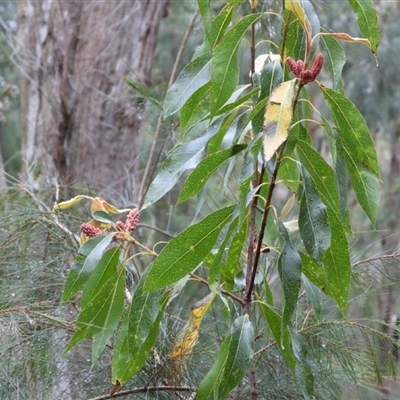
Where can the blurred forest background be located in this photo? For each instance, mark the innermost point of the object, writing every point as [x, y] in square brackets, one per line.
[34, 252]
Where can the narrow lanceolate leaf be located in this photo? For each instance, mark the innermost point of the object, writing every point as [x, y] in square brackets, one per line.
[367, 21]
[299, 34]
[233, 360]
[199, 177]
[88, 257]
[70, 203]
[224, 64]
[187, 250]
[105, 268]
[289, 268]
[297, 7]
[186, 340]
[101, 314]
[358, 150]
[337, 265]
[334, 60]
[270, 77]
[323, 177]
[278, 117]
[282, 339]
[195, 75]
[137, 334]
[193, 107]
[181, 159]
[346, 37]
[204, 9]
[313, 220]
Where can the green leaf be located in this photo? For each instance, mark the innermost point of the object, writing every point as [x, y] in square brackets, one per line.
[313, 220]
[199, 177]
[88, 257]
[289, 268]
[192, 109]
[335, 60]
[103, 217]
[233, 360]
[138, 333]
[239, 102]
[358, 149]
[282, 339]
[215, 269]
[105, 268]
[224, 65]
[233, 266]
[220, 24]
[186, 251]
[102, 313]
[181, 159]
[367, 21]
[298, 30]
[204, 9]
[323, 177]
[337, 264]
[195, 75]
[270, 77]
[314, 272]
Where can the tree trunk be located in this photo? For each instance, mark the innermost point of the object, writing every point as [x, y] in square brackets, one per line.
[79, 122]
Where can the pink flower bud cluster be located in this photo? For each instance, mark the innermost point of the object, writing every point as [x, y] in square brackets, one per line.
[305, 75]
[129, 225]
[91, 231]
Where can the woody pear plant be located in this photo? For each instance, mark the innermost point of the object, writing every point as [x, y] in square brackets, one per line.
[282, 213]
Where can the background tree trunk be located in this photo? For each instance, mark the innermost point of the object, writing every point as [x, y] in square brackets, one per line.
[79, 122]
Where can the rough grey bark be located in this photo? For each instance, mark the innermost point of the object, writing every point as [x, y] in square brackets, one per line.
[74, 54]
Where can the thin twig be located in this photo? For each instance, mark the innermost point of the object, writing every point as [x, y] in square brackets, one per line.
[225, 292]
[384, 257]
[147, 174]
[145, 390]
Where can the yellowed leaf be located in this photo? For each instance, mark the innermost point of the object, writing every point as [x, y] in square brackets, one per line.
[187, 339]
[278, 117]
[99, 204]
[71, 202]
[348, 38]
[288, 206]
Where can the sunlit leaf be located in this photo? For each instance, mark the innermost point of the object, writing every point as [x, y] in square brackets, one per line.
[235, 355]
[186, 250]
[278, 117]
[199, 177]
